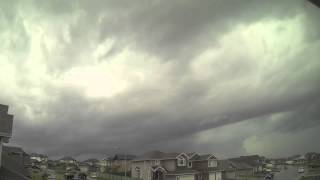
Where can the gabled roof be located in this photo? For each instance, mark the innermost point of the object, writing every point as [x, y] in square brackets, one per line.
[91, 160]
[202, 157]
[158, 168]
[228, 165]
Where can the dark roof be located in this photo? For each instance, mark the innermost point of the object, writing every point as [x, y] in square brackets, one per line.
[253, 160]
[67, 158]
[202, 157]
[123, 157]
[92, 160]
[227, 165]
[152, 155]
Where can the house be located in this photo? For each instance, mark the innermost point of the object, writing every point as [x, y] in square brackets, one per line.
[156, 165]
[84, 167]
[300, 160]
[105, 164]
[39, 157]
[92, 162]
[228, 169]
[67, 160]
[121, 163]
[254, 161]
[90, 165]
[312, 156]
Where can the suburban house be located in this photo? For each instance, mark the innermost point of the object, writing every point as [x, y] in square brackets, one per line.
[255, 161]
[92, 162]
[121, 163]
[39, 157]
[300, 160]
[105, 164]
[84, 167]
[12, 159]
[67, 160]
[90, 165]
[156, 165]
[228, 169]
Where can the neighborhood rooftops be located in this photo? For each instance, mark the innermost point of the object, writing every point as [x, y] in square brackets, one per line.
[123, 157]
[67, 158]
[202, 157]
[156, 155]
[253, 160]
[228, 165]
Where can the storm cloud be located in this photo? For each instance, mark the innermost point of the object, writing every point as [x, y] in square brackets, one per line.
[90, 78]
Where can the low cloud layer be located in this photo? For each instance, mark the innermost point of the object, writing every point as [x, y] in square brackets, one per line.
[90, 79]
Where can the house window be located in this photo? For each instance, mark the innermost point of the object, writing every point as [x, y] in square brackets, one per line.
[181, 162]
[189, 164]
[212, 163]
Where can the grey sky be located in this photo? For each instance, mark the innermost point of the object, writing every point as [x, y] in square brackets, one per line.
[227, 77]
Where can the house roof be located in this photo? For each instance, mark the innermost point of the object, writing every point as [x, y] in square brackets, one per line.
[123, 157]
[38, 155]
[227, 165]
[67, 158]
[92, 160]
[202, 157]
[253, 160]
[156, 155]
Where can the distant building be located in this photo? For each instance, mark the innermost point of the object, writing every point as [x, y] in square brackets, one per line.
[156, 165]
[39, 157]
[121, 163]
[254, 161]
[67, 160]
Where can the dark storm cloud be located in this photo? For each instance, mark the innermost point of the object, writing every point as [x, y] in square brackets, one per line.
[66, 122]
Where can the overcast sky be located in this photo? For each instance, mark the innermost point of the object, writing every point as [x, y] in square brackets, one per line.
[229, 77]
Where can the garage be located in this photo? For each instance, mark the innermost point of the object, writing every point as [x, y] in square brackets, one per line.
[186, 177]
[215, 176]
